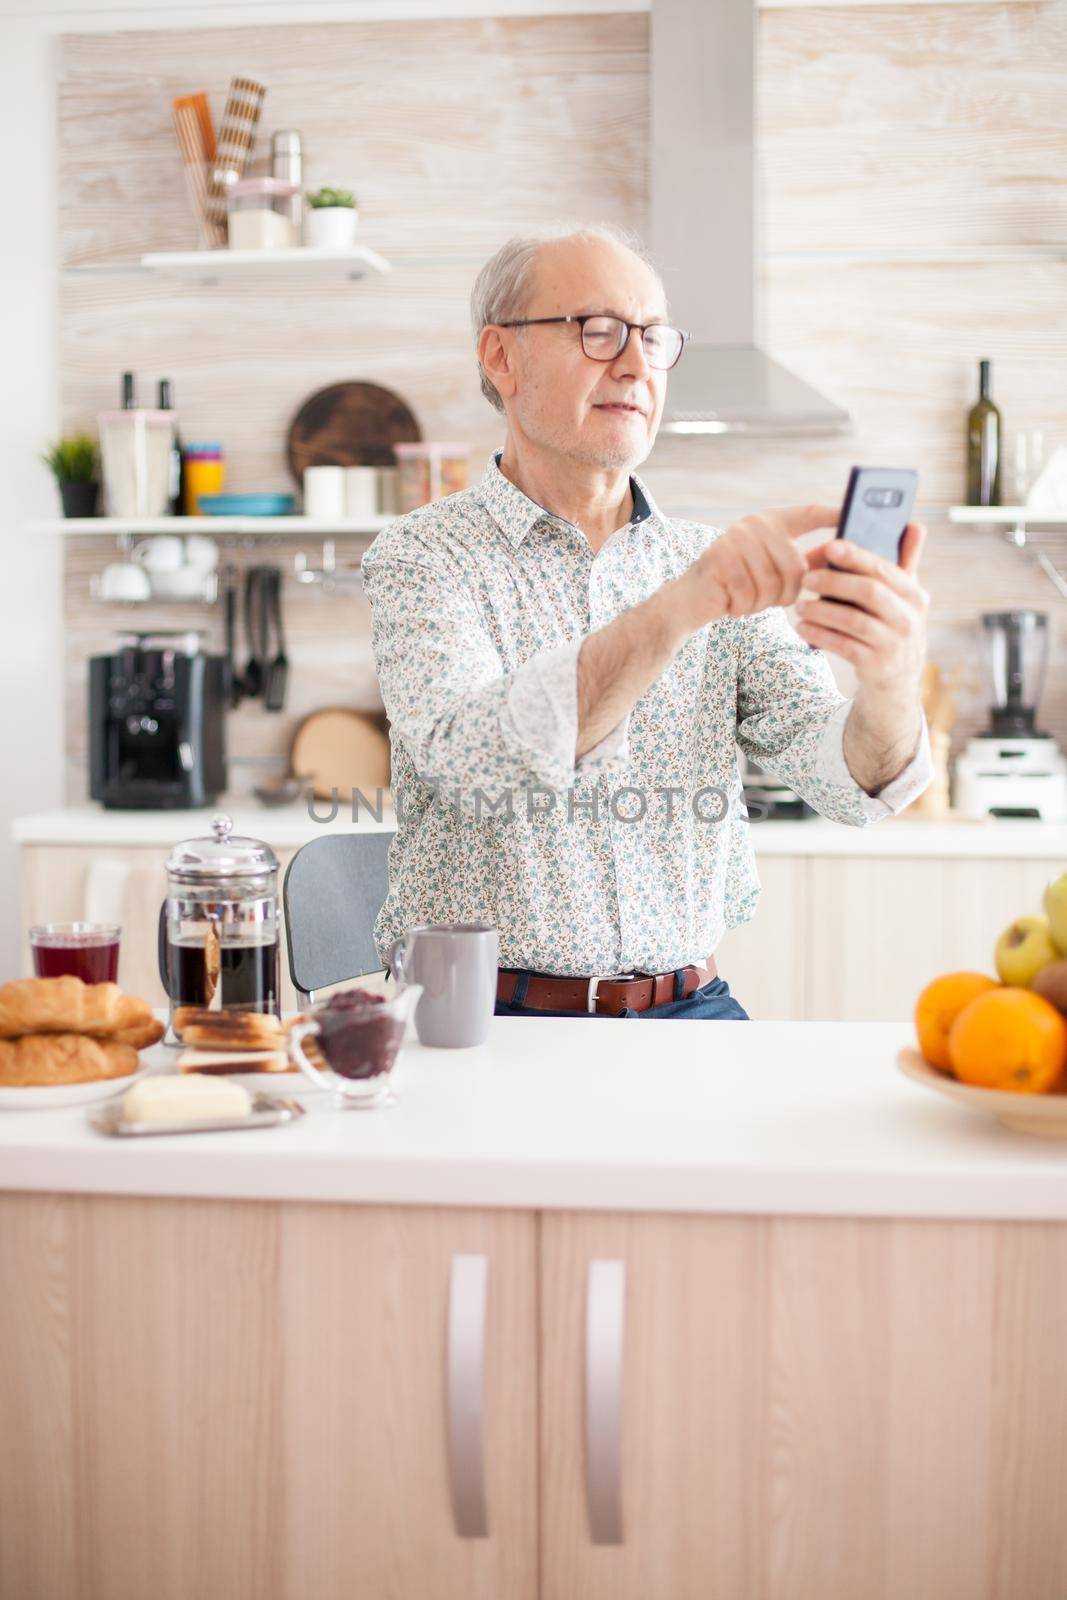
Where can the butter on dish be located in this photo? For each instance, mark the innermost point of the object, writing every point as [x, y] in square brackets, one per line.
[191, 1097]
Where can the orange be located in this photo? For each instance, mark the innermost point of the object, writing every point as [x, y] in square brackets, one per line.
[1009, 1039]
[938, 1007]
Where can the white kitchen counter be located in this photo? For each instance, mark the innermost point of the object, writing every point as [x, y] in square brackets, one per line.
[283, 827]
[287, 827]
[765, 1117]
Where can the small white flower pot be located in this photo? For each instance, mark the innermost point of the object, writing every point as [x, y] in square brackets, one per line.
[330, 227]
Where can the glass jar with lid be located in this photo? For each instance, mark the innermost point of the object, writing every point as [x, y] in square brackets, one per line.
[218, 927]
[259, 214]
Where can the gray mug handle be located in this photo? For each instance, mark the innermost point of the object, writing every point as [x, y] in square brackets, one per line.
[399, 953]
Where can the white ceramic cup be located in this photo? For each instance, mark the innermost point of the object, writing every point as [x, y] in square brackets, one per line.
[388, 491]
[361, 492]
[201, 553]
[124, 581]
[324, 493]
[163, 552]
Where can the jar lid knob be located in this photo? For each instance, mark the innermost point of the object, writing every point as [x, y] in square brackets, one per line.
[223, 827]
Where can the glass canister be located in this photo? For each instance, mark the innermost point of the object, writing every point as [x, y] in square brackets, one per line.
[135, 454]
[259, 212]
[219, 925]
[430, 470]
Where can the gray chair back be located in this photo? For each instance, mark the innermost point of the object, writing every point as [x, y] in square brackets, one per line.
[333, 889]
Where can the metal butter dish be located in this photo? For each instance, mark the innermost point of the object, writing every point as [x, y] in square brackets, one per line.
[268, 1111]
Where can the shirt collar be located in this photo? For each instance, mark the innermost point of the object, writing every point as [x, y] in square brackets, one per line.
[515, 513]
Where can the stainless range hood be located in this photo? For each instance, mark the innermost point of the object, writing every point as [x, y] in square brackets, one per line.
[702, 226]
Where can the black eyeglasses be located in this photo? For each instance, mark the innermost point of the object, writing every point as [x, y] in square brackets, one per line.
[604, 338]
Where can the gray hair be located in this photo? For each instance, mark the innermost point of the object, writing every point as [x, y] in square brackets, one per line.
[503, 287]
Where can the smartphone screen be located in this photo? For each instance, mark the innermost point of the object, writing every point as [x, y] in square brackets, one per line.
[877, 508]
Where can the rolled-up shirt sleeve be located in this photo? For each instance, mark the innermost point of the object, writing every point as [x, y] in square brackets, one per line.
[465, 722]
[791, 719]
[543, 712]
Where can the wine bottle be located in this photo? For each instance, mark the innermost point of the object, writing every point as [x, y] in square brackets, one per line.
[129, 394]
[177, 486]
[983, 446]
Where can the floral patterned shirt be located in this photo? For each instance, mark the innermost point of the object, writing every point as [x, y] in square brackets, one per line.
[637, 856]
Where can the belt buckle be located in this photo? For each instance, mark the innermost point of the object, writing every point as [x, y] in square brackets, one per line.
[594, 984]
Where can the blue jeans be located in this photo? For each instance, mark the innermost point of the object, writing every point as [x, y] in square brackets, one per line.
[712, 1003]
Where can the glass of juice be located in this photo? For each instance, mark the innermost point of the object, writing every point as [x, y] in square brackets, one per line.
[86, 950]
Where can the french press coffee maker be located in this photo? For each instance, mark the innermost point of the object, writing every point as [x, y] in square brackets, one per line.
[218, 927]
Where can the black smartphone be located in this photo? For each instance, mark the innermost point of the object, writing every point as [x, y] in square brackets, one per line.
[876, 510]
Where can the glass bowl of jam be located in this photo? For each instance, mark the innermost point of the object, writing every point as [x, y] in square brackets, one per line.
[349, 1043]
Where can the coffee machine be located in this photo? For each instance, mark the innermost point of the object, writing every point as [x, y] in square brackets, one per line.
[1013, 769]
[156, 723]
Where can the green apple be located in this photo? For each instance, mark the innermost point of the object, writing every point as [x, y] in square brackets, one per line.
[1056, 906]
[1023, 949]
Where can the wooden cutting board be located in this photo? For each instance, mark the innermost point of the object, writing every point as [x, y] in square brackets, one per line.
[341, 749]
[349, 425]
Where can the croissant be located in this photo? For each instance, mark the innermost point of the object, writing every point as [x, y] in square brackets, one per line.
[49, 1059]
[67, 1005]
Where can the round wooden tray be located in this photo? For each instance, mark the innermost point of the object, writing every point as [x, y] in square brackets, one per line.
[338, 748]
[349, 425]
[1044, 1115]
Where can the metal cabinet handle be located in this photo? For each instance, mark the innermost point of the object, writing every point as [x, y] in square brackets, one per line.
[467, 1295]
[605, 1319]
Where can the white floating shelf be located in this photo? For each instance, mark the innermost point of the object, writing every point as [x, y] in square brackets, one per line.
[1007, 516]
[208, 526]
[211, 266]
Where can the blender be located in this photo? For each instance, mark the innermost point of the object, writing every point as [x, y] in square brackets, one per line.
[1013, 769]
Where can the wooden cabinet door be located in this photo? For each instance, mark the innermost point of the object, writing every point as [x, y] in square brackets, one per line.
[810, 1409]
[765, 960]
[879, 928]
[249, 1400]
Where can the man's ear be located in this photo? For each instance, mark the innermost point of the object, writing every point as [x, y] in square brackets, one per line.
[498, 361]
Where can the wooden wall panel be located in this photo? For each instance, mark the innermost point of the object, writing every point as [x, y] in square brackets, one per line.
[907, 155]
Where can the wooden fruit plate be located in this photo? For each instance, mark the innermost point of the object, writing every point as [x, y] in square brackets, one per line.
[1043, 1115]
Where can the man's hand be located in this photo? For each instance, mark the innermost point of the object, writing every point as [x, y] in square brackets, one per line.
[885, 641]
[755, 564]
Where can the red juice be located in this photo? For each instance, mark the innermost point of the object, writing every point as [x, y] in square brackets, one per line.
[85, 952]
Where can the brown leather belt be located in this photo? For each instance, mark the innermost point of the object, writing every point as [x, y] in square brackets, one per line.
[603, 997]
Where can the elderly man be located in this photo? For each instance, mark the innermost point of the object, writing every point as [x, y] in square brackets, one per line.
[568, 672]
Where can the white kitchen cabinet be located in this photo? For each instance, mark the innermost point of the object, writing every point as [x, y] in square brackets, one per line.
[244, 1399]
[878, 929]
[765, 961]
[807, 1408]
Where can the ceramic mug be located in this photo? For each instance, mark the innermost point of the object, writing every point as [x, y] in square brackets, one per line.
[201, 553]
[361, 492]
[324, 493]
[456, 966]
[121, 580]
[163, 552]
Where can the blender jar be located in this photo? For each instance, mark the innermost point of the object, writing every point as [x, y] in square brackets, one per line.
[218, 927]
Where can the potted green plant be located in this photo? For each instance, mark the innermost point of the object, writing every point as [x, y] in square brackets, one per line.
[75, 463]
[330, 219]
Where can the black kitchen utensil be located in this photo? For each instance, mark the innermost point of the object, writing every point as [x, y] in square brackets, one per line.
[252, 679]
[233, 679]
[263, 633]
[277, 671]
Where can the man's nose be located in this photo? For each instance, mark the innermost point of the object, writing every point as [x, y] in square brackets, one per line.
[632, 354]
